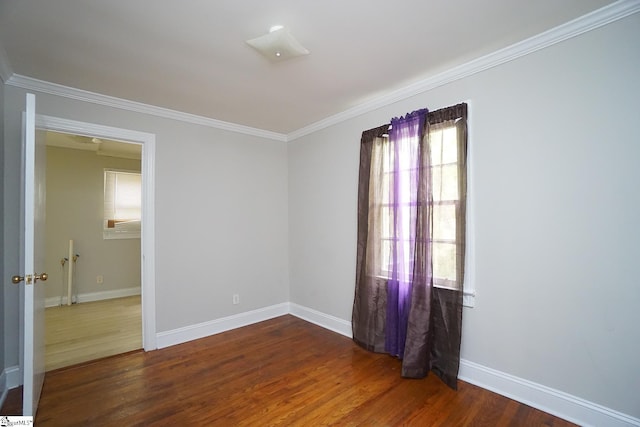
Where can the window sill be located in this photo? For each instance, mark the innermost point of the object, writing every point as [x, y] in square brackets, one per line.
[118, 236]
[468, 297]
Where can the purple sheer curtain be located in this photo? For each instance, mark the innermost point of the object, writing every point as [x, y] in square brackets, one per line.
[404, 172]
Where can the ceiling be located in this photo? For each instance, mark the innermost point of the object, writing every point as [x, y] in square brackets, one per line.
[99, 146]
[191, 56]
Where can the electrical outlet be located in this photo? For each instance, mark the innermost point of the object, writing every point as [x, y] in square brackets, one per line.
[236, 299]
[99, 279]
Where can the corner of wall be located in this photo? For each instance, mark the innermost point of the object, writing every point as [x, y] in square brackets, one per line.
[3, 387]
[5, 68]
[2, 298]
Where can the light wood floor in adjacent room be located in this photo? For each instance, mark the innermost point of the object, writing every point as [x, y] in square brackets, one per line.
[284, 371]
[92, 330]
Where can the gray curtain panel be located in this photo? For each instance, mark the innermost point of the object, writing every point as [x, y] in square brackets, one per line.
[369, 307]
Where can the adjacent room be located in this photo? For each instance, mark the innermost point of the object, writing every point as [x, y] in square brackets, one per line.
[93, 307]
[348, 213]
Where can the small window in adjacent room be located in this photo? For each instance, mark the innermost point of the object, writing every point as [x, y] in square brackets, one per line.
[122, 204]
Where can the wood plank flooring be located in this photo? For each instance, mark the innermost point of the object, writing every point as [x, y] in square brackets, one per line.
[91, 330]
[284, 371]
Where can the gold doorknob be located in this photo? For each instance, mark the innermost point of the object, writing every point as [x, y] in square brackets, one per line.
[43, 277]
[17, 279]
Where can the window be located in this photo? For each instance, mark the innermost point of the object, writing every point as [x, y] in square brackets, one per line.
[446, 202]
[122, 204]
[411, 277]
[444, 158]
[449, 226]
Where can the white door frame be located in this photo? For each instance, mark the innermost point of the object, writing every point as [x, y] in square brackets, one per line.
[147, 242]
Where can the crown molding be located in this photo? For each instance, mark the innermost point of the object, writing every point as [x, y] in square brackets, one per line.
[5, 67]
[596, 19]
[583, 24]
[29, 83]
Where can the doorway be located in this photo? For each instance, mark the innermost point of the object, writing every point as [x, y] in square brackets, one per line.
[93, 292]
[147, 240]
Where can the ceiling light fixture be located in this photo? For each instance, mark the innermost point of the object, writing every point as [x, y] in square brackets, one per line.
[278, 45]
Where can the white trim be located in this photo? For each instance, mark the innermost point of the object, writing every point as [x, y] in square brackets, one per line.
[583, 24]
[212, 327]
[148, 141]
[3, 387]
[9, 378]
[75, 127]
[326, 321]
[29, 83]
[95, 296]
[549, 400]
[14, 377]
[148, 245]
[5, 67]
[469, 288]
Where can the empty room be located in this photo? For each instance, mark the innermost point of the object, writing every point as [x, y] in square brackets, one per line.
[348, 213]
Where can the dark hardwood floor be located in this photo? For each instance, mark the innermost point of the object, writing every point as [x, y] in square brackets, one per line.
[284, 371]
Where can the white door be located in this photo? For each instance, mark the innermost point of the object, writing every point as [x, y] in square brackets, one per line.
[34, 156]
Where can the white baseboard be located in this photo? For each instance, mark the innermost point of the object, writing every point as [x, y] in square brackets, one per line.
[3, 387]
[326, 321]
[205, 329]
[14, 377]
[9, 378]
[546, 399]
[94, 296]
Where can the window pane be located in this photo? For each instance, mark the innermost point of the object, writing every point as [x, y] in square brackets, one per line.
[444, 261]
[445, 182]
[384, 197]
[443, 145]
[444, 222]
[449, 145]
[128, 196]
[435, 145]
[387, 157]
[386, 222]
[386, 257]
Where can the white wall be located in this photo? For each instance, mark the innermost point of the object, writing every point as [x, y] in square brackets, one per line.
[75, 208]
[555, 148]
[221, 213]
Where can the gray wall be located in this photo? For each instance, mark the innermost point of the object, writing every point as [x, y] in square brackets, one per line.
[555, 150]
[221, 214]
[554, 147]
[75, 210]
